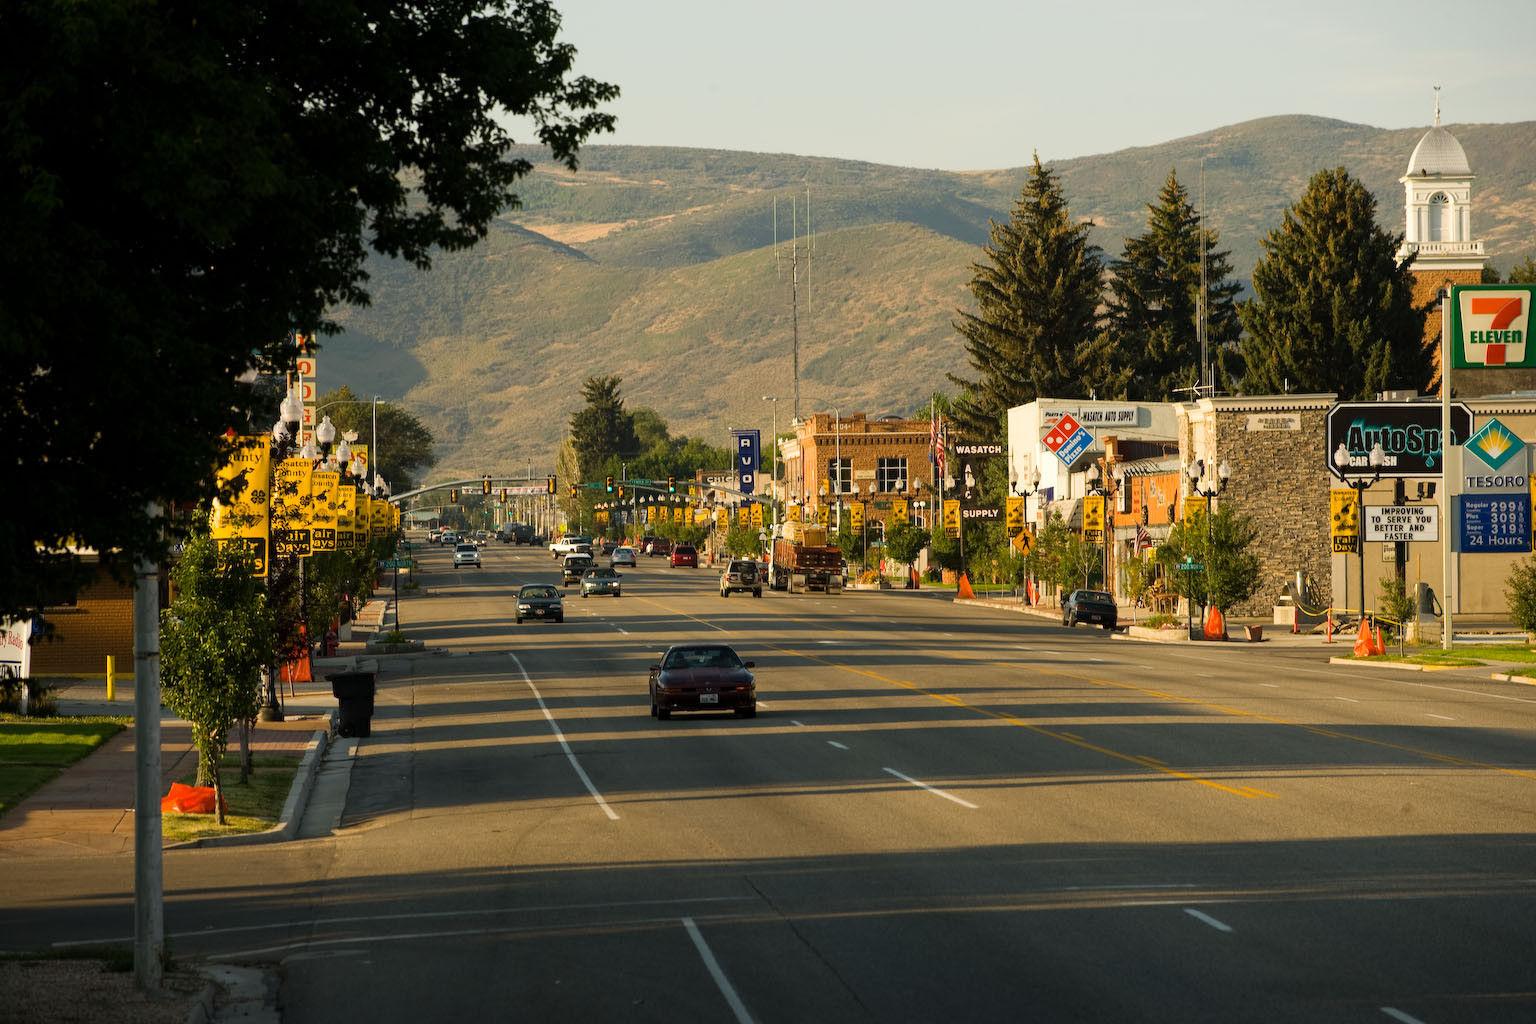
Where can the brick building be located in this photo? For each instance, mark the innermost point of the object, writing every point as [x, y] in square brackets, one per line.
[874, 460]
[98, 623]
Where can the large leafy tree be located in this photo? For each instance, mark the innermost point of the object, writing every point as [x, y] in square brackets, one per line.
[184, 182]
[1332, 308]
[1037, 296]
[403, 446]
[602, 430]
[1150, 347]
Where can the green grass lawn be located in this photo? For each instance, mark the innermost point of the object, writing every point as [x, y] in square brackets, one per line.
[253, 807]
[1465, 656]
[35, 750]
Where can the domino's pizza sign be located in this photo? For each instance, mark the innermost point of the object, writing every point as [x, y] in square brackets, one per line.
[747, 445]
[1068, 439]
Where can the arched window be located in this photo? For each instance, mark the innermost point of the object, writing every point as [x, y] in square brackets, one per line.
[1440, 214]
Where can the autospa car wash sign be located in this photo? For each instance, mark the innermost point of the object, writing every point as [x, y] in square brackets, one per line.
[1494, 506]
[1491, 326]
[1408, 432]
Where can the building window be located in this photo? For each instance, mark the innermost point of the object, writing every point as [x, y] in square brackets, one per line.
[891, 475]
[840, 475]
[1440, 213]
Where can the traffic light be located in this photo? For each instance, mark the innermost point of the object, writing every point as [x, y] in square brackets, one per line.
[453, 495]
[485, 484]
[621, 491]
[609, 484]
[549, 485]
[575, 491]
[671, 485]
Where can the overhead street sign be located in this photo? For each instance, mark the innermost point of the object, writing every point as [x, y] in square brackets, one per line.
[1402, 524]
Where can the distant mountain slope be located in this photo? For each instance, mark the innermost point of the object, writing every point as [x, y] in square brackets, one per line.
[656, 263]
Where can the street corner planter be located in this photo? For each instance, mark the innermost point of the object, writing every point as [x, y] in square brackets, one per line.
[1253, 634]
[404, 647]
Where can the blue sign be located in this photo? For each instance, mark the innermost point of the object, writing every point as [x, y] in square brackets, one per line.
[1075, 446]
[1495, 522]
[747, 444]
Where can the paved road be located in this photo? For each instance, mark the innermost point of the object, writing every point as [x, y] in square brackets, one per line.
[939, 813]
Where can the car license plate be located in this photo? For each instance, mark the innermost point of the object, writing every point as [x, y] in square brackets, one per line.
[709, 698]
[538, 611]
[1096, 617]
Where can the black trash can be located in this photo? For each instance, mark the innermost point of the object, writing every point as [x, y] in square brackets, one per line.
[354, 694]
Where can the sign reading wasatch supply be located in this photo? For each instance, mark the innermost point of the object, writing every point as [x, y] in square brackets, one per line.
[1399, 524]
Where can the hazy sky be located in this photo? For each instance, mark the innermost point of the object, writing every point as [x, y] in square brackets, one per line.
[982, 83]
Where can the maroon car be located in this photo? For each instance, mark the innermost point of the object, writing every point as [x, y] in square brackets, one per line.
[685, 554]
[702, 677]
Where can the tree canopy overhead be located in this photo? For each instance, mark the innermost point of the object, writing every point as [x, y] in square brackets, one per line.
[1037, 297]
[183, 183]
[1332, 308]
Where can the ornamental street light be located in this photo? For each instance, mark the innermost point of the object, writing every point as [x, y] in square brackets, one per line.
[1197, 472]
[1359, 484]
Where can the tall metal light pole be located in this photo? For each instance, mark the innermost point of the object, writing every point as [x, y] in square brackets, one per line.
[773, 491]
[148, 869]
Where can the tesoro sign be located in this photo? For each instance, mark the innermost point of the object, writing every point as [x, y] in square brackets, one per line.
[1408, 432]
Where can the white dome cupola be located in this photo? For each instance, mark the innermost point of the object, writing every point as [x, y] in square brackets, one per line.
[1438, 202]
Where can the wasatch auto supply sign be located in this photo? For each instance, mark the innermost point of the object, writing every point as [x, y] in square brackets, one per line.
[1408, 432]
[1491, 326]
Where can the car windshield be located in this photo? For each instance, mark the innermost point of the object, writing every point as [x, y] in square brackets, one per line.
[684, 549]
[702, 657]
[537, 592]
[465, 547]
[577, 562]
[602, 574]
[1095, 595]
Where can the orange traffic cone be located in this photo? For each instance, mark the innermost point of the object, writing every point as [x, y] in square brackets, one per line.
[1380, 646]
[1365, 646]
[1215, 624]
[965, 592]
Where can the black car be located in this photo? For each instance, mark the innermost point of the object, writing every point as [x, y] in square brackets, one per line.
[1093, 606]
[702, 677]
[539, 601]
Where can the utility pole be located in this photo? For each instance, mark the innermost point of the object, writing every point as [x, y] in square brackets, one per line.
[794, 277]
[148, 870]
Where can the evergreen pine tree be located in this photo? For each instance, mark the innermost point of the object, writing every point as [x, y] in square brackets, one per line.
[1037, 296]
[1332, 309]
[602, 429]
[1150, 346]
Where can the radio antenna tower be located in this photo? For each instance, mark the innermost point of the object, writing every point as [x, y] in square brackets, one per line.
[794, 260]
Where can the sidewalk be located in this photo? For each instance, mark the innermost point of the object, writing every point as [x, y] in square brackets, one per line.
[88, 809]
[1128, 616]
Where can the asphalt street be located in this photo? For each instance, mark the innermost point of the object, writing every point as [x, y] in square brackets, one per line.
[939, 813]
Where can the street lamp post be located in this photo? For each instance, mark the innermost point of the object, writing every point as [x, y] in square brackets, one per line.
[773, 491]
[1359, 484]
[1197, 471]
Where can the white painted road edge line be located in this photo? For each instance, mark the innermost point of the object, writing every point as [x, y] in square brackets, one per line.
[797, 722]
[1207, 919]
[721, 981]
[581, 772]
[621, 629]
[1399, 1015]
[936, 792]
[1443, 718]
[834, 743]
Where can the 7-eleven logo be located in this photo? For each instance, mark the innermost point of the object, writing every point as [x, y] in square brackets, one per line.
[1495, 324]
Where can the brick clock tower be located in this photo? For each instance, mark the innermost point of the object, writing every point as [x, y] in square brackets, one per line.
[1438, 203]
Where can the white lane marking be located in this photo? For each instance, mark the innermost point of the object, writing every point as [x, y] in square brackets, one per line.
[936, 792]
[1206, 675]
[1443, 718]
[1207, 919]
[829, 641]
[621, 629]
[580, 771]
[415, 936]
[839, 746]
[949, 634]
[721, 981]
[761, 703]
[797, 722]
[418, 916]
[1400, 1016]
[1350, 699]
[1272, 686]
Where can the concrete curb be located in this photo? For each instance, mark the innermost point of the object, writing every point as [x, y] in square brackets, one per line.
[202, 1010]
[1155, 636]
[293, 808]
[1401, 666]
[1510, 677]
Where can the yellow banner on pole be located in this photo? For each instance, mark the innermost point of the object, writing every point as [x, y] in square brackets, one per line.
[1344, 521]
[952, 517]
[362, 521]
[856, 515]
[824, 515]
[794, 513]
[1013, 515]
[292, 504]
[723, 517]
[899, 513]
[326, 488]
[743, 516]
[677, 514]
[757, 516]
[1093, 518]
[245, 520]
[380, 522]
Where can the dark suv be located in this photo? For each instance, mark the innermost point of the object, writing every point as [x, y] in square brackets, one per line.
[685, 554]
[741, 575]
[1093, 606]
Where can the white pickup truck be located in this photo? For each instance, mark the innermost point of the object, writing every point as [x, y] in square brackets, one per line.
[570, 545]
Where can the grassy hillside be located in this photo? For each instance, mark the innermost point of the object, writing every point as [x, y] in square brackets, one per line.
[657, 264]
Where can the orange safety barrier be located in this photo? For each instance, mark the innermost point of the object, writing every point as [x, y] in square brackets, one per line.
[1215, 624]
[1365, 644]
[1379, 647]
[964, 590]
[1328, 628]
[190, 800]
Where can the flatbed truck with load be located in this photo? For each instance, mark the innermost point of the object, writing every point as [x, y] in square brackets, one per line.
[803, 561]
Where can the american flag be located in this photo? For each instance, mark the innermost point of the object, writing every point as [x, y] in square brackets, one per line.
[933, 435]
[943, 457]
[1143, 538]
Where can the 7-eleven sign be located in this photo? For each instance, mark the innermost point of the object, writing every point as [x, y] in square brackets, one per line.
[1491, 326]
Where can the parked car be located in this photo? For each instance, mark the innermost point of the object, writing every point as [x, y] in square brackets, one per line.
[702, 677]
[466, 554]
[685, 554]
[622, 556]
[1089, 606]
[539, 601]
[658, 546]
[434, 536]
[600, 581]
[742, 575]
[574, 568]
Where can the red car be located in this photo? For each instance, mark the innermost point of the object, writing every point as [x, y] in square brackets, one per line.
[685, 554]
[702, 677]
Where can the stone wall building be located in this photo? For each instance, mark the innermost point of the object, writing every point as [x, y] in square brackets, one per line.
[1275, 446]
